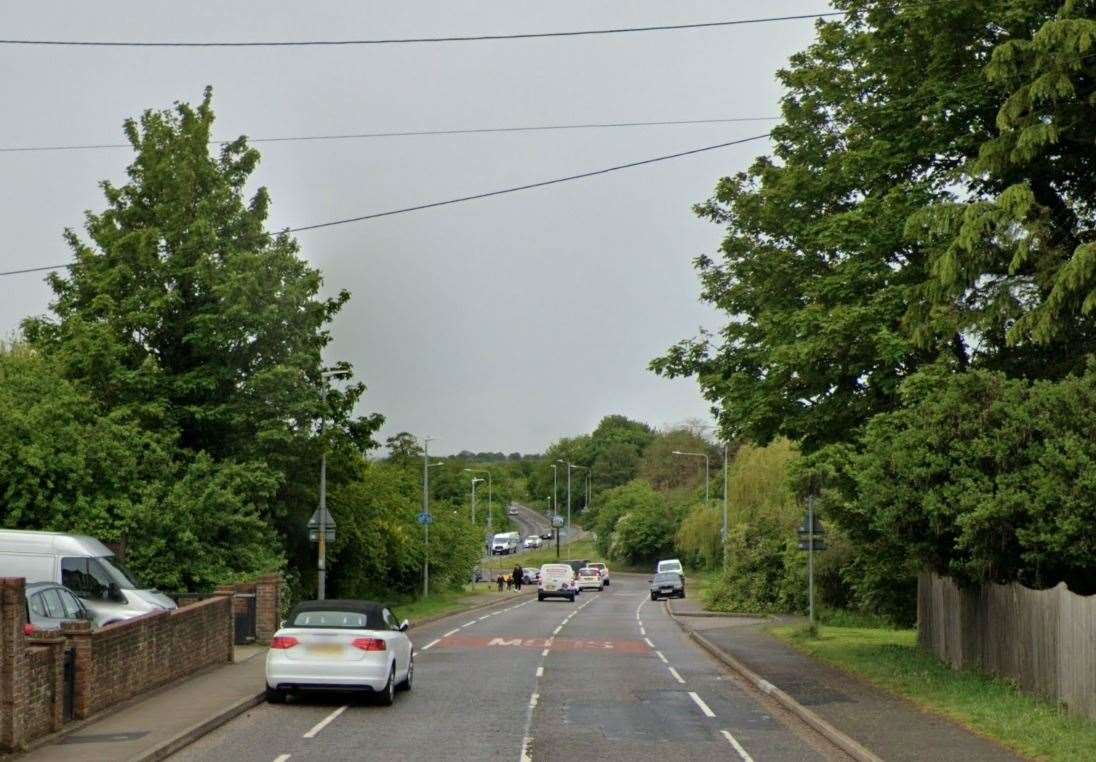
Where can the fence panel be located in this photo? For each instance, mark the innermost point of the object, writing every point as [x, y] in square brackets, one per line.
[1044, 640]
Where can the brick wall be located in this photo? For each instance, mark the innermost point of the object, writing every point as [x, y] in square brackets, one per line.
[124, 659]
[43, 700]
[116, 662]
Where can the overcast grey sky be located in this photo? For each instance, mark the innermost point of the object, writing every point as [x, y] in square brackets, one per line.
[499, 324]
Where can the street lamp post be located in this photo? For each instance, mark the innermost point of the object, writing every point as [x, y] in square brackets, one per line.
[569, 467]
[475, 480]
[706, 467]
[724, 534]
[321, 561]
[490, 494]
[426, 517]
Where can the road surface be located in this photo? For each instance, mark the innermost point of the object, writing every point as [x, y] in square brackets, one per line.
[609, 677]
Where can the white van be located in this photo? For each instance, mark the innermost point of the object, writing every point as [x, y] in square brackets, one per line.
[83, 565]
[670, 565]
[506, 543]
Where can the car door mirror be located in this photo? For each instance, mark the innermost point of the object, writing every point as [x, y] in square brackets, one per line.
[405, 626]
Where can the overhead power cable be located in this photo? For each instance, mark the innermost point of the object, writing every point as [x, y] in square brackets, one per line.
[413, 133]
[408, 40]
[473, 197]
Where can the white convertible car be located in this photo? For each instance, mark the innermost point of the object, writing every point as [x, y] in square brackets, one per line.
[340, 645]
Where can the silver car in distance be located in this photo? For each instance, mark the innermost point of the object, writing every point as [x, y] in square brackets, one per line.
[340, 645]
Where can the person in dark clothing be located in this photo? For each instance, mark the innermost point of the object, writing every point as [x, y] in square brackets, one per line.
[518, 576]
[500, 583]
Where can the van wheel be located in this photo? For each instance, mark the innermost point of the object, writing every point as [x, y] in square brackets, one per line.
[540, 597]
[275, 696]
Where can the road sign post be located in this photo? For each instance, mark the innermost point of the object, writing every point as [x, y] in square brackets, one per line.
[557, 524]
[810, 540]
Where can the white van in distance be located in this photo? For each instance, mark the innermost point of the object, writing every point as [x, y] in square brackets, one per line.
[83, 565]
[505, 543]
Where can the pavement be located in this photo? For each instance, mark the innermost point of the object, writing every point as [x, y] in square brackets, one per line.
[891, 727]
[160, 722]
[608, 677]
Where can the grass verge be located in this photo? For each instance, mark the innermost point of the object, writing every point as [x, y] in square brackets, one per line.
[445, 602]
[991, 707]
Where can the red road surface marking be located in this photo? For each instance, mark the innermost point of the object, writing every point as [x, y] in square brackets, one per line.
[558, 644]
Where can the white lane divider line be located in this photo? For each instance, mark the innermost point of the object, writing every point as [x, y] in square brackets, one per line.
[678, 677]
[325, 722]
[642, 631]
[734, 742]
[484, 617]
[556, 631]
[431, 644]
[451, 632]
[544, 652]
[469, 624]
[700, 703]
[282, 757]
[540, 671]
[659, 655]
[648, 642]
[525, 743]
[533, 700]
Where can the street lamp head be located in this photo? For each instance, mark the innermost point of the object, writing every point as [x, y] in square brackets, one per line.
[677, 452]
[435, 465]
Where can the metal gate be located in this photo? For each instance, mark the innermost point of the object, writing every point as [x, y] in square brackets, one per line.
[243, 610]
[68, 700]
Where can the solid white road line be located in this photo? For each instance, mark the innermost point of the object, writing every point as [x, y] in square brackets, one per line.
[282, 757]
[451, 632]
[700, 703]
[540, 671]
[659, 655]
[648, 642]
[324, 722]
[678, 677]
[431, 644]
[734, 742]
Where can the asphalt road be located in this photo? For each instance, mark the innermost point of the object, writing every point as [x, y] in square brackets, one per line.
[609, 677]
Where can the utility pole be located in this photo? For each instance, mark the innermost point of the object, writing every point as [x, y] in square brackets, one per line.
[475, 481]
[321, 564]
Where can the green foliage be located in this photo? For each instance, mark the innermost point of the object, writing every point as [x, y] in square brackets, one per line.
[66, 465]
[981, 477]
[664, 470]
[697, 540]
[643, 534]
[186, 321]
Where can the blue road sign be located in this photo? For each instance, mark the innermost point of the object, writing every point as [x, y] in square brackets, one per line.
[426, 518]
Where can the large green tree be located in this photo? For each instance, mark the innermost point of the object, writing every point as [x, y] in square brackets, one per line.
[826, 274]
[184, 313]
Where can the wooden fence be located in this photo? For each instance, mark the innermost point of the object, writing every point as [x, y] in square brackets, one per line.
[1043, 640]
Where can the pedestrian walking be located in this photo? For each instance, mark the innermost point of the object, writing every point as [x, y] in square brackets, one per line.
[518, 577]
[500, 583]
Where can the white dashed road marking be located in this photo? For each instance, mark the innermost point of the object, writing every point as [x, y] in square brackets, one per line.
[700, 703]
[659, 655]
[451, 632]
[540, 671]
[737, 746]
[678, 677]
[324, 722]
[469, 624]
[282, 757]
[648, 641]
[431, 644]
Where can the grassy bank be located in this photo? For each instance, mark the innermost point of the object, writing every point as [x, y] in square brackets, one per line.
[445, 602]
[990, 707]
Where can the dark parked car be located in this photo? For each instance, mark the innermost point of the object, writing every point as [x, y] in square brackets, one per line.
[546, 535]
[50, 604]
[667, 585]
